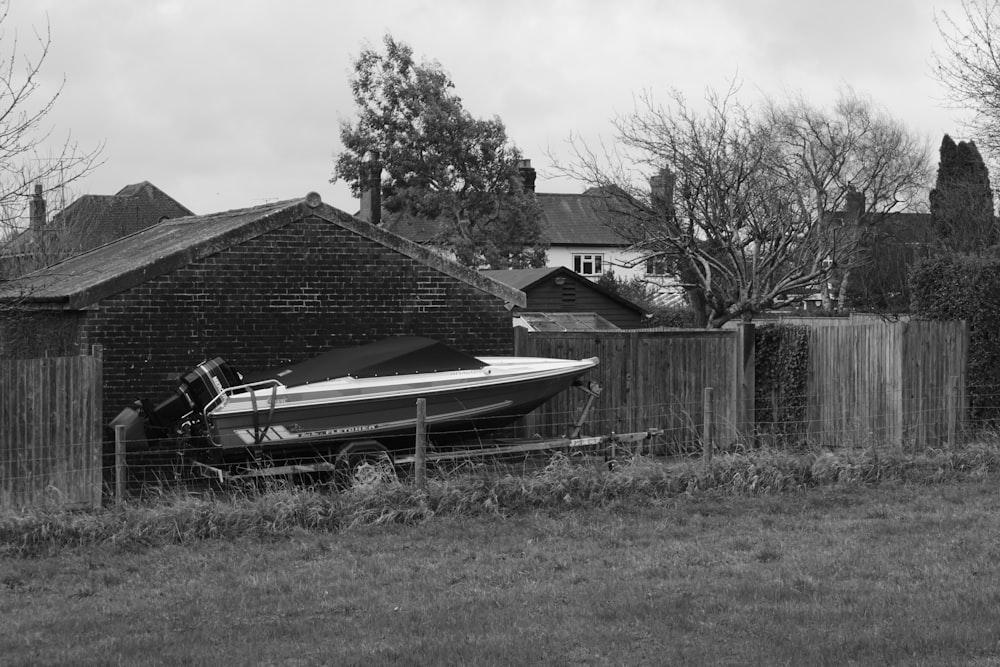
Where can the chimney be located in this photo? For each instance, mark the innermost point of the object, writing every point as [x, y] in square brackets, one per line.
[854, 205]
[661, 189]
[36, 209]
[371, 192]
[527, 174]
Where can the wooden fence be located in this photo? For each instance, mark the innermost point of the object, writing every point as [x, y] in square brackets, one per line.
[50, 431]
[902, 384]
[652, 378]
[896, 384]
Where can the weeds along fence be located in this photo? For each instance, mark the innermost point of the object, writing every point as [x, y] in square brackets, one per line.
[50, 431]
[900, 385]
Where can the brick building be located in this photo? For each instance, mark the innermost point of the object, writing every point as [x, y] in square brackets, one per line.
[259, 287]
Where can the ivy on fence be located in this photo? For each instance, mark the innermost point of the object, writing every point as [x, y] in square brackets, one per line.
[958, 287]
[781, 368]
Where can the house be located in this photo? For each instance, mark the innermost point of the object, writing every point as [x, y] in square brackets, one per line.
[581, 240]
[86, 223]
[893, 245]
[558, 290]
[260, 287]
[576, 227]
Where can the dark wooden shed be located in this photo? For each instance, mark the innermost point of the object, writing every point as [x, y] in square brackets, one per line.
[556, 289]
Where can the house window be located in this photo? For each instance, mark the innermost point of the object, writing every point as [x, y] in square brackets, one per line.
[657, 266]
[588, 265]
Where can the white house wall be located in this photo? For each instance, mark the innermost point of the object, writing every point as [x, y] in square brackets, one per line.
[626, 266]
[614, 260]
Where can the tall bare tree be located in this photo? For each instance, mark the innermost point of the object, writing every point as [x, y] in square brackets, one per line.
[30, 154]
[744, 203]
[969, 66]
[853, 158]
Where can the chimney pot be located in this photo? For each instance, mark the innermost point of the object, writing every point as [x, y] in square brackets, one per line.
[661, 188]
[36, 209]
[854, 204]
[371, 192]
[527, 174]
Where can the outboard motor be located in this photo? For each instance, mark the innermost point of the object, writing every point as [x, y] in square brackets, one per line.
[146, 423]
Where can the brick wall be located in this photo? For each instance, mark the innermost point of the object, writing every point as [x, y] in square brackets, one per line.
[282, 297]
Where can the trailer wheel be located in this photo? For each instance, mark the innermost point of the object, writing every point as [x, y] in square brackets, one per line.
[364, 465]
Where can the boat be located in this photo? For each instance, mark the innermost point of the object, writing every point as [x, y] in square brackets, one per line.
[364, 393]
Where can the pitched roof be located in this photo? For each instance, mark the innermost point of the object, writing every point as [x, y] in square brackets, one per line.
[98, 219]
[525, 279]
[418, 230]
[576, 219]
[521, 278]
[92, 220]
[567, 219]
[86, 278]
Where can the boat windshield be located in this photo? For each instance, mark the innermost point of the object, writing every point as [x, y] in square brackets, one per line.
[402, 355]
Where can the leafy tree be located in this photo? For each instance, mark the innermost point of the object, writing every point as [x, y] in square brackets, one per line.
[743, 202]
[962, 201]
[449, 171]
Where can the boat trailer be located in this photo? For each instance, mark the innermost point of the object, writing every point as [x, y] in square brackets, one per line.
[609, 447]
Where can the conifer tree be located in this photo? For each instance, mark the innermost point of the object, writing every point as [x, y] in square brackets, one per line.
[962, 201]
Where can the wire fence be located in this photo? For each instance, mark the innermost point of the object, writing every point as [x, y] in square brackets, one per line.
[674, 430]
[896, 388]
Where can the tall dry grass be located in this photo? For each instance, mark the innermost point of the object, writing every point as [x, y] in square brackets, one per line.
[280, 509]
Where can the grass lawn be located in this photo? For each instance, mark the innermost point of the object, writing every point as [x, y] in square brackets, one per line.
[899, 573]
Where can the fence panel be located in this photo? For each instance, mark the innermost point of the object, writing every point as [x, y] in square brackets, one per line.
[933, 377]
[899, 384]
[50, 431]
[871, 383]
[853, 373]
[650, 379]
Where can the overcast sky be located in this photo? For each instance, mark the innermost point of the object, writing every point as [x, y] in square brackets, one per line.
[231, 103]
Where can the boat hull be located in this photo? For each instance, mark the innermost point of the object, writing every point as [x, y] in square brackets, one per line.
[453, 412]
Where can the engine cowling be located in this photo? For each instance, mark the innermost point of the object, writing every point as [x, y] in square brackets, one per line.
[146, 422]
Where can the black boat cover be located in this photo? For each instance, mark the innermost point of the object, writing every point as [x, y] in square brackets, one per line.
[403, 355]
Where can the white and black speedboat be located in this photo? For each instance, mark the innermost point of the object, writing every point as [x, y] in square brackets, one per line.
[366, 392]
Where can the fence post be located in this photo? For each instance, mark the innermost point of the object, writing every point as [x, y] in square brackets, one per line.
[520, 341]
[707, 425]
[420, 456]
[950, 405]
[746, 382]
[119, 463]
